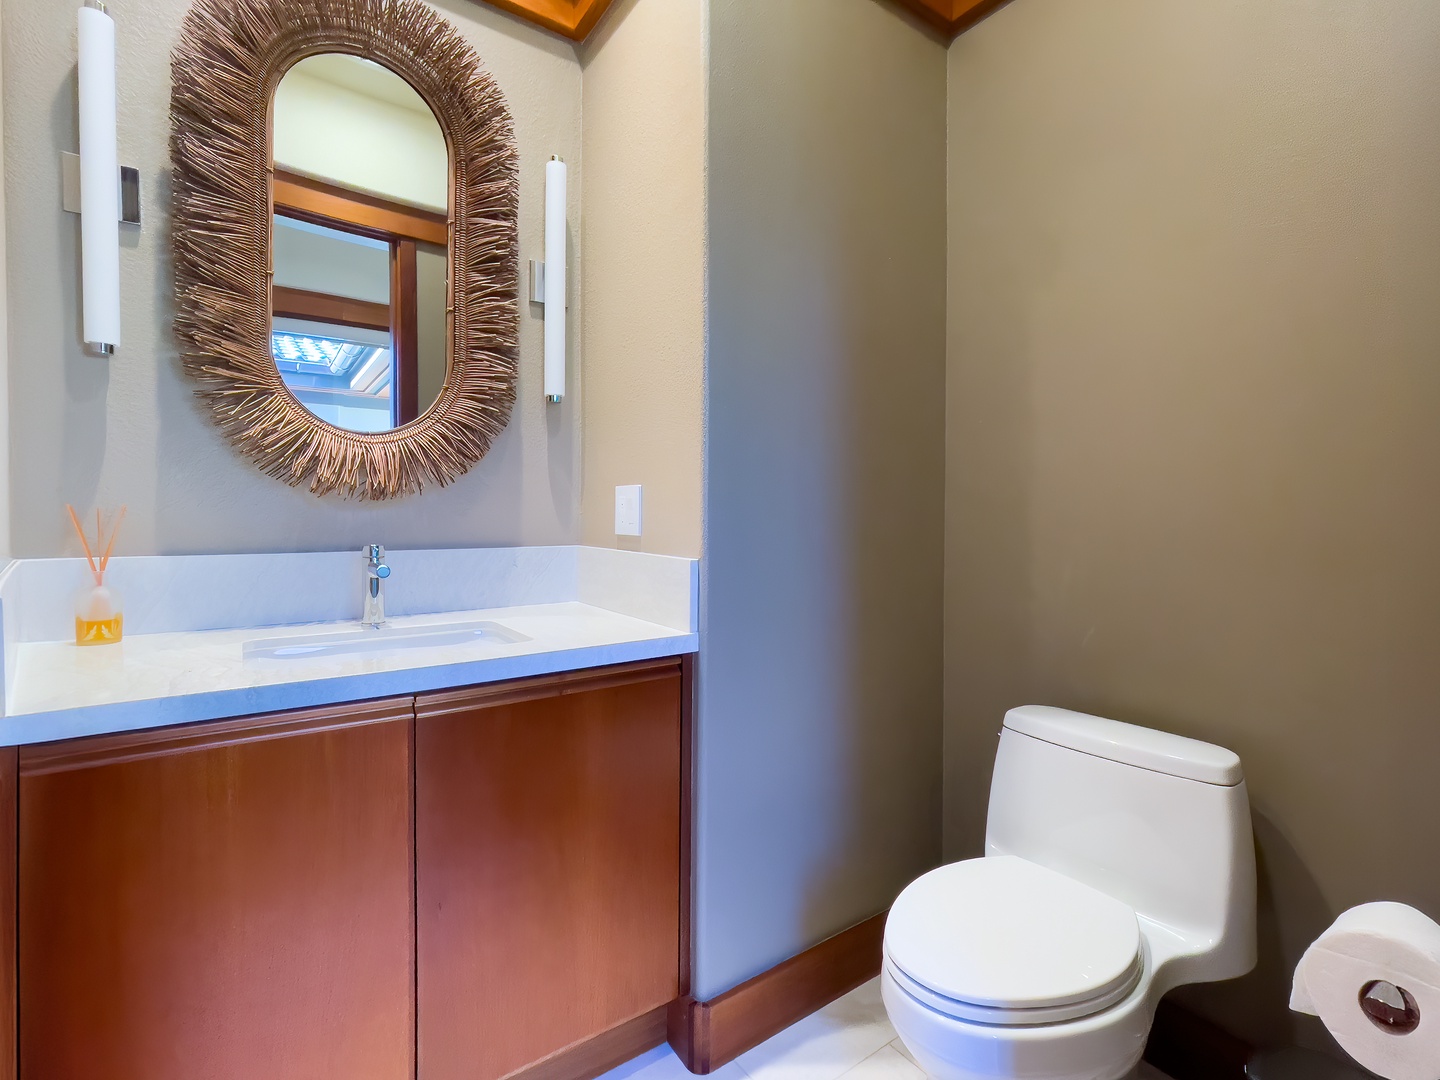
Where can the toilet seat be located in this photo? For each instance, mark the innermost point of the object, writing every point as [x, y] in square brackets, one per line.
[1007, 942]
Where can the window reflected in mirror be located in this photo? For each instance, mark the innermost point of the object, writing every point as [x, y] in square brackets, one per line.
[360, 238]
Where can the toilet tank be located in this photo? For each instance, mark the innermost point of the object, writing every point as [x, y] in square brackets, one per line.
[1156, 820]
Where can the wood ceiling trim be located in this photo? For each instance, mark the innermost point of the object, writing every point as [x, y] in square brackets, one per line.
[952, 17]
[573, 19]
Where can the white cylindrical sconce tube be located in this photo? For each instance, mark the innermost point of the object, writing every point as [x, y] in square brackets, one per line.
[555, 279]
[99, 181]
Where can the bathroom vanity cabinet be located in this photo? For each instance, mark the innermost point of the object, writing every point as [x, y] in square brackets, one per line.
[551, 814]
[233, 900]
[478, 883]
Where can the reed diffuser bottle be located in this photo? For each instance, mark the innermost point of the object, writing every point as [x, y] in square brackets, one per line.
[99, 618]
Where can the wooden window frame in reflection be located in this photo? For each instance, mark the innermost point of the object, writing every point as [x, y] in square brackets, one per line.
[320, 202]
[400, 226]
[326, 308]
[231, 56]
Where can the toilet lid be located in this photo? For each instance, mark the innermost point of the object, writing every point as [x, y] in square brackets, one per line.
[1004, 933]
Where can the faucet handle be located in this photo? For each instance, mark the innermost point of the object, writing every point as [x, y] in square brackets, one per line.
[375, 556]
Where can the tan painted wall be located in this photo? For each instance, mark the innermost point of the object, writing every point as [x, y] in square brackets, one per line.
[644, 239]
[130, 431]
[1194, 420]
[5, 542]
[820, 682]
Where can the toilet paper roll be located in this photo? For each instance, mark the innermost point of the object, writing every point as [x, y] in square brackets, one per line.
[1374, 980]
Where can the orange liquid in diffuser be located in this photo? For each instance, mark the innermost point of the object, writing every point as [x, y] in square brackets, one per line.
[105, 632]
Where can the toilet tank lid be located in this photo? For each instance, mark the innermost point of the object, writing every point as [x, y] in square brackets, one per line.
[1158, 751]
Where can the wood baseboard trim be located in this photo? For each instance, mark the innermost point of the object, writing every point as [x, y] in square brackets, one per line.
[594, 1057]
[1186, 1046]
[708, 1034]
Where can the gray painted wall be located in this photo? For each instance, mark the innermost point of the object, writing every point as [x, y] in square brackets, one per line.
[819, 727]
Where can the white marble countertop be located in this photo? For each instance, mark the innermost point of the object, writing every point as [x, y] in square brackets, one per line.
[151, 680]
[188, 617]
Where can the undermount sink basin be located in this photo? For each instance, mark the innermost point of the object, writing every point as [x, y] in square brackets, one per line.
[384, 639]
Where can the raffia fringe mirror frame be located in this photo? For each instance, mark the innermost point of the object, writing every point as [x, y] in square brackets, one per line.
[229, 60]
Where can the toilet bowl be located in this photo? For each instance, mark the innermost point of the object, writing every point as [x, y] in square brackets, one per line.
[1118, 865]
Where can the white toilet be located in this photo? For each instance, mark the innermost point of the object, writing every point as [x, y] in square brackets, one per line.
[1118, 865]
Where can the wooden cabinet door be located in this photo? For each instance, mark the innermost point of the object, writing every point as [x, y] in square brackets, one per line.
[226, 902]
[547, 865]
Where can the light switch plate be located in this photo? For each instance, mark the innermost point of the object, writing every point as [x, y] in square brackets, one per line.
[628, 510]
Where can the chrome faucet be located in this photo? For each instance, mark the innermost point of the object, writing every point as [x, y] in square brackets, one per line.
[376, 571]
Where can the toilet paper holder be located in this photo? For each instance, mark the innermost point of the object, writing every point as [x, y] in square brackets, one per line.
[1390, 1008]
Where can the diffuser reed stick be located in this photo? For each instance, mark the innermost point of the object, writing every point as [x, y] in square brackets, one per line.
[119, 520]
[84, 543]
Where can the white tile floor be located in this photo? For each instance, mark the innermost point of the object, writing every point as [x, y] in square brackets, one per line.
[850, 1038]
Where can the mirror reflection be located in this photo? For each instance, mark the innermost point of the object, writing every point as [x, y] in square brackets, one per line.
[360, 244]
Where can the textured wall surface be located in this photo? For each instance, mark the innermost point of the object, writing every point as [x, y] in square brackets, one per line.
[5, 545]
[819, 734]
[644, 240]
[1194, 456]
[130, 430]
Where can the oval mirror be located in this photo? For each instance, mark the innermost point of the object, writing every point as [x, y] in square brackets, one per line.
[360, 236]
[345, 239]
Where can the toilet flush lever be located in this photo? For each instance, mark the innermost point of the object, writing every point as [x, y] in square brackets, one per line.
[376, 571]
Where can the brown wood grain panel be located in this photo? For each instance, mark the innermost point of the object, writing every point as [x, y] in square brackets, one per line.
[439, 702]
[687, 820]
[588, 14]
[967, 13]
[952, 17]
[547, 868]
[314, 200]
[708, 1034]
[9, 796]
[405, 330]
[221, 903]
[288, 303]
[573, 19]
[934, 12]
[576, 19]
[158, 742]
[601, 1053]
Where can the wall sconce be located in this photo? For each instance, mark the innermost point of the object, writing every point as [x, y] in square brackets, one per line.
[552, 279]
[96, 187]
